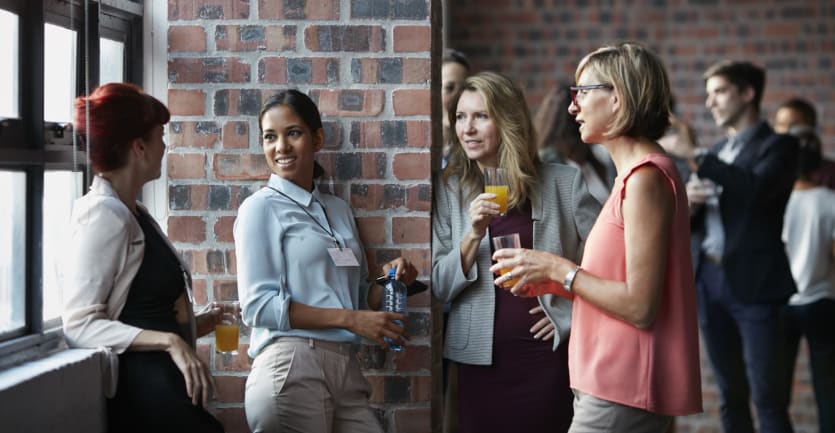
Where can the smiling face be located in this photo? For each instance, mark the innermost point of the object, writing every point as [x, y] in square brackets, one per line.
[476, 131]
[594, 109]
[727, 103]
[289, 145]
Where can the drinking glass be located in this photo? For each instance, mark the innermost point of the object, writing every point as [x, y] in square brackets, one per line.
[507, 241]
[227, 328]
[495, 182]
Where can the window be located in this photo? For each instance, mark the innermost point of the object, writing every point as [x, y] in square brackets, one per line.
[42, 170]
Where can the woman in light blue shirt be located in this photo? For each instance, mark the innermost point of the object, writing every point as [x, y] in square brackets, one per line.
[303, 284]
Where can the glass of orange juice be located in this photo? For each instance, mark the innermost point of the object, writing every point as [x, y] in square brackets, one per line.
[507, 241]
[228, 328]
[495, 182]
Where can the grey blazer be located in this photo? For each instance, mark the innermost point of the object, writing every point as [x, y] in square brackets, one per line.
[563, 213]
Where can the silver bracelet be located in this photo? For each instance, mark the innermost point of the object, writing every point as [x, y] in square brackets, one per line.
[569, 278]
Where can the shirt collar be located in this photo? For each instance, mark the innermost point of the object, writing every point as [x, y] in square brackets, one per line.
[294, 191]
[746, 134]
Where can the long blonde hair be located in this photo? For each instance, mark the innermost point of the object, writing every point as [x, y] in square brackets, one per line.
[518, 156]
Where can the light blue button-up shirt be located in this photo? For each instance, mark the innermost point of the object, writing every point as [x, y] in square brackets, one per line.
[282, 256]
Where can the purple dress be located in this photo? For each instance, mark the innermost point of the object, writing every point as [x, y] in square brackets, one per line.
[526, 389]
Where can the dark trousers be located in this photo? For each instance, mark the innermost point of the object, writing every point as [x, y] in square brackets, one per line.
[815, 321]
[745, 345]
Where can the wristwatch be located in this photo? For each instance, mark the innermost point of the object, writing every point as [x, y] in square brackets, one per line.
[569, 278]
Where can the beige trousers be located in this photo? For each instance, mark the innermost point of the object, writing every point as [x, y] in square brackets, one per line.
[593, 415]
[308, 386]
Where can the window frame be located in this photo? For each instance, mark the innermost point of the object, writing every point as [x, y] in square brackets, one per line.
[23, 144]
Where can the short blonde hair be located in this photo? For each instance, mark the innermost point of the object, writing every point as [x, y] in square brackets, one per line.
[518, 155]
[641, 83]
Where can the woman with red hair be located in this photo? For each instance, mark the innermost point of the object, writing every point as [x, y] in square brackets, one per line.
[125, 287]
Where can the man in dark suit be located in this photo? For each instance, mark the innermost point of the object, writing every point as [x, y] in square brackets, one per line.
[743, 277]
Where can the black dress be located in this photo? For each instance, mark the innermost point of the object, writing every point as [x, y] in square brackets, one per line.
[526, 388]
[151, 394]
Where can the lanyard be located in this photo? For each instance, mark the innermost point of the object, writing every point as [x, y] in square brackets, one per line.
[328, 229]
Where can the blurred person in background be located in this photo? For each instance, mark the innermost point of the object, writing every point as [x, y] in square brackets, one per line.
[559, 142]
[795, 116]
[809, 234]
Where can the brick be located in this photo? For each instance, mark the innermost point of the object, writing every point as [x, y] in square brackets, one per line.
[240, 167]
[207, 9]
[377, 71]
[411, 102]
[408, 166]
[410, 230]
[330, 38]
[229, 389]
[225, 290]
[390, 9]
[233, 419]
[397, 389]
[281, 38]
[183, 102]
[371, 357]
[333, 134]
[312, 70]
[199, 197]
[377, 197]
[414, 359]
[412, 39]
[235, 135]
[413, 420]
[234, 102]
[419, 133]
[223, 229]
[208, 70]
[272, 70]
[418, 324]
[372, 229]
[198, 289]
[420, 258]
[349, 102]
[419, 197]
[186, 38]
[302, 9]
[219, 197]
[240, 37]
[231, 262]
[417, 71]
[179, 197]
[190, 229]
[186, 166]
[366, 134]
[197, 135]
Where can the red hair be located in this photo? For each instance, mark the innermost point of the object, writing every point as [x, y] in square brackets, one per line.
[118, 114]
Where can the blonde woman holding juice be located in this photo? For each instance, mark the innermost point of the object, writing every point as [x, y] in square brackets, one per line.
[492, 335]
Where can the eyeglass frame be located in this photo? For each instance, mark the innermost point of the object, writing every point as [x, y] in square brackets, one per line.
[576, 89]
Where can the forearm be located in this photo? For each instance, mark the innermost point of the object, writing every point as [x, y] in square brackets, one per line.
[469, 251]
[375, 297]
[149, 340]
[306, 317]
[615, 298]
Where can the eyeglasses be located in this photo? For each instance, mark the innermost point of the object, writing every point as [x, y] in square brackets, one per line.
[575, 89]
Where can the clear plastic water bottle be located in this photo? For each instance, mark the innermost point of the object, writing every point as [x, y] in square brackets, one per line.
[394, 300]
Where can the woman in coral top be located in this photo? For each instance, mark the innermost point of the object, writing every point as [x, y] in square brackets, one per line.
[633, 352]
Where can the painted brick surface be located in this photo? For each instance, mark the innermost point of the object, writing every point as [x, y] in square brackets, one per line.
[225, 58]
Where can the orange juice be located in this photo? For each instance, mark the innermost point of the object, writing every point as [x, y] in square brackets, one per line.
[226, 338]
[510, 283]
[501, 196]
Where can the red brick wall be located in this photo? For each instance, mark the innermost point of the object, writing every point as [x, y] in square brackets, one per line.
[539, 42]
[368, 65]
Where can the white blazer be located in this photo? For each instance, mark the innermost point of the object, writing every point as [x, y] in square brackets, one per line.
[104, 253]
